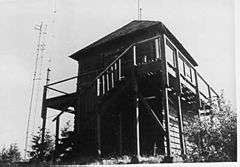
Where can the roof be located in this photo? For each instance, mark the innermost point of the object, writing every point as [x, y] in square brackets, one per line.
[131, 28]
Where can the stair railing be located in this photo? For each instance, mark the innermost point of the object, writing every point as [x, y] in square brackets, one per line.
[113, 73]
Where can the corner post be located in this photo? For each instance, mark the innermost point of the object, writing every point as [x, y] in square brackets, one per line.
[136, 102]
[165, 103]
[180, 117]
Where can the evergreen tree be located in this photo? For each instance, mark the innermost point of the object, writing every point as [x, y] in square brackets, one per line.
[37, 147]
[11, 153]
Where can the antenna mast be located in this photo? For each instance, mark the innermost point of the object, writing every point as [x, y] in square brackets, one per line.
[139, 11]
[38, 51]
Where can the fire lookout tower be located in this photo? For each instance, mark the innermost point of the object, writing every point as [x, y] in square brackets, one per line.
[135, 91]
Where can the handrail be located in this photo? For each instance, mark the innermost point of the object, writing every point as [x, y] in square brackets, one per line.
[58, 91]
[61, 81]
[67, 79]
[101, 73]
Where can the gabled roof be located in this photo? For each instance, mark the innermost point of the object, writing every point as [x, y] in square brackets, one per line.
[130, 28]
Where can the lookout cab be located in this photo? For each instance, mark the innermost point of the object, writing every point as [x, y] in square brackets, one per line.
[136, 90]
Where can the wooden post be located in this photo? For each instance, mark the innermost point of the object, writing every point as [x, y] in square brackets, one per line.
[108, 82]
[134, 56]
[112, 77]
[44, 116]
[57, 132]
[120, 133]
[197, 92]
[98, 87]
[209, 94]
[136, 103]
[157, 48]
[165, 101]
[99, 134]
[119, 70]
[103, 84]
[198, 103]
[56, 138]
[180, 118]
[167, 121]
[137, 128]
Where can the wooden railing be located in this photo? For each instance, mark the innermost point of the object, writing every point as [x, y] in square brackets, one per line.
[112, 74]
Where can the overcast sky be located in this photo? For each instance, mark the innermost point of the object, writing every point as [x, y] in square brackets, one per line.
[204, 27]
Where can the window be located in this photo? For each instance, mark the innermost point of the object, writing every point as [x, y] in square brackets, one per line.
[170, 55]
[146, 52]
[181, 66]
[189, 72]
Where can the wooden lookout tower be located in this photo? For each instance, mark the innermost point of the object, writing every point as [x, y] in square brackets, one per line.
[136, 90]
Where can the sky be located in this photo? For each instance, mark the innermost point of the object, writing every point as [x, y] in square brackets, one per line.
[204, 27]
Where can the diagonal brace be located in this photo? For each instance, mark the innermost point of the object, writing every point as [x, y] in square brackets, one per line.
[152, 113]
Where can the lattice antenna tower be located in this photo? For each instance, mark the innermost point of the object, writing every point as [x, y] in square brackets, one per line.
[40, 29]
[39, 73]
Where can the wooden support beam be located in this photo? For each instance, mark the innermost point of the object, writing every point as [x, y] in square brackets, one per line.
[152, 113]
[157, 48]
[98, 87]
[99, 134]
[119, 69]
[54, 119]
[136, 104]
[57, 133]
[112, 77]
[120, 134]
[137, 128]
[134, 56]
[197, 93]
[44, 117]
[58, 91]
[209, 94]
[199, 103]
[108, 81]
[180, 118]
[165, 83]
[167, 122]
[103, 84]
